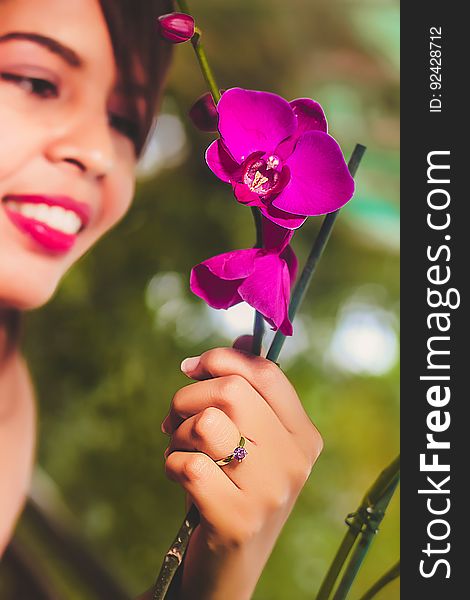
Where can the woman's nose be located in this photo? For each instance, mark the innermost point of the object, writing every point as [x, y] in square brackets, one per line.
[86, 143]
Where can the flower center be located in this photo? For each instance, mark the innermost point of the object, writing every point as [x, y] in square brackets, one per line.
[262, 175]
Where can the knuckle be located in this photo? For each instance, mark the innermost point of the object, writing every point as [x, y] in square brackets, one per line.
[277, 499]
[207, 423]
[300, 468]
[243, 531]
[215, 359]
[190, 468]
[267, 370]
[195, 467]
[301, 473]
[232, 386]
[245, 524]
[316, 443]
[177, 400]
[171, 466]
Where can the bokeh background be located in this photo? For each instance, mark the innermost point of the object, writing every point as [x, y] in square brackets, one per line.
[105, 353]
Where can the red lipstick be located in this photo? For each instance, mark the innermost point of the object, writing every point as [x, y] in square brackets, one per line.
[48, 237]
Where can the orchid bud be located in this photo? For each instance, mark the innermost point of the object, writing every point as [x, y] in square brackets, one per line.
[203, 113]
[176, 27]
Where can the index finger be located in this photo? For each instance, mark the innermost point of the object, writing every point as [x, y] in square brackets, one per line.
[262, 374]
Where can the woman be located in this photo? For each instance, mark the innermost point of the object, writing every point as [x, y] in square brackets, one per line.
[79, 81]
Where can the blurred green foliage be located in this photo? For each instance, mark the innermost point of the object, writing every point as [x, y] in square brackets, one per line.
[105, 352]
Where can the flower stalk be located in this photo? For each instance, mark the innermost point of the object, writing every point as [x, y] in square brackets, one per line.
[362, 524]
[201, 56]
[313, 260]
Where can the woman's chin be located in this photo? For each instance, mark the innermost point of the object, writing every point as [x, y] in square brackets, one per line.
[25, 292]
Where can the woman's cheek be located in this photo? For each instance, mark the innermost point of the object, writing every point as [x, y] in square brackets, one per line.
[118, 196]
[18, 143]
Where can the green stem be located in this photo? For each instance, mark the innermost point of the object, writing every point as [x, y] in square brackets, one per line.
[201, 56]
[363, 522]
[312, 260]
[389, 576]
[258, 327]
[205, 68]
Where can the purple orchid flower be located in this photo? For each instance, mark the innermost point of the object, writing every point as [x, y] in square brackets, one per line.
[261, 277]
[278, 156]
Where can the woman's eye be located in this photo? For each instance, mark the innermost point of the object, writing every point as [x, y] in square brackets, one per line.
[126, 126]
[32, 85]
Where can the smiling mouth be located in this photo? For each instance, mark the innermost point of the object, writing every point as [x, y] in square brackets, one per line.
[52, 222]
[56, 217]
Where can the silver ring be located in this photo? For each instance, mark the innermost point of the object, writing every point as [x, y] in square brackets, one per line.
[238, 454]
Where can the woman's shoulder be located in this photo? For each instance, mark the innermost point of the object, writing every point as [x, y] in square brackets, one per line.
[17, 441]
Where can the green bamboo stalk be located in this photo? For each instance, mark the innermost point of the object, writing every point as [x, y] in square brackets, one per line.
[354, 528]
[175, 555]
[313, 260]
[386, 578]
[364, 521]
[376, 514]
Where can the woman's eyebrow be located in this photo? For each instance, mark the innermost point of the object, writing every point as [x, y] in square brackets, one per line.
[66, 53]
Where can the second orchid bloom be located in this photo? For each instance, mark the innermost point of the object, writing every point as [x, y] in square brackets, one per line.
[261, 277]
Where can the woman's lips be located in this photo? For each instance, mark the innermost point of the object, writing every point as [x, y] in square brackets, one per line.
[54, 229]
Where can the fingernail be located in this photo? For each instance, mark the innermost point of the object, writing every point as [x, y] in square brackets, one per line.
[167, 451]
[164, 430]
[189, 364]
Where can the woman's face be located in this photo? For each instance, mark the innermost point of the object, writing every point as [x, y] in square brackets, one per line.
[66, 153]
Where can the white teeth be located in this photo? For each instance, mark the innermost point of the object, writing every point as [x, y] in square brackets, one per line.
[57, 217]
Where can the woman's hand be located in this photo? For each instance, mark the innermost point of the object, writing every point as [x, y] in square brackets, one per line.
[243, 505]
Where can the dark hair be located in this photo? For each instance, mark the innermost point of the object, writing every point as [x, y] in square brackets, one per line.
[132, 25]
[10, 328]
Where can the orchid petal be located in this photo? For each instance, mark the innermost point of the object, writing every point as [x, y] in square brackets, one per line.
[245, 196]
[217, 279]
[292, 263]
[281, 217]
[251, 120]
[320, 180]
[275, 237]
[267, 289]
[236, 264]
[218, 293]
[220, 162]
[310, 116]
